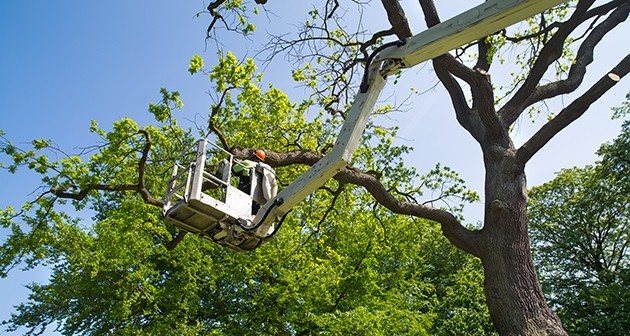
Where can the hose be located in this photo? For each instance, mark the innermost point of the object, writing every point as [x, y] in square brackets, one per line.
[276, 203]
[364, 81]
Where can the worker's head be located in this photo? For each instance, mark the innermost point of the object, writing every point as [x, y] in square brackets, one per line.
[260, 154]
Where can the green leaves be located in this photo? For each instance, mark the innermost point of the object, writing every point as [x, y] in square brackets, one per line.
[196, 64]
[230, 72]
[170, 101]
[35, 234]
[622, 110]
[340, 265]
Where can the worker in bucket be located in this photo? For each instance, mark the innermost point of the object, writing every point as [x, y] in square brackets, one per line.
[255, 172]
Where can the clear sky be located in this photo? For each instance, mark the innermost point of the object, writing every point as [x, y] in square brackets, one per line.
[64, 63]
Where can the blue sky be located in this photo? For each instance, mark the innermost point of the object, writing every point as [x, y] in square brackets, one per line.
[64, 63]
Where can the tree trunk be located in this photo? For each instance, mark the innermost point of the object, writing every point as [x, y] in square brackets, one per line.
[513, 293]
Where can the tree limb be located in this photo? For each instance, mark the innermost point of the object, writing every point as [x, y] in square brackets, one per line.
[140, 187]
[397, 18]
[488, 123]
[483, 63]
[583, 58]
[215, 111]
[431, 16]
[463, 112]
[212, 9]
[444, 66]
[171, 245]
[572, 112]
[454, 231]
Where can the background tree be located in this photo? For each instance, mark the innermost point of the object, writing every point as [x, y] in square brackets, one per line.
[580, 224]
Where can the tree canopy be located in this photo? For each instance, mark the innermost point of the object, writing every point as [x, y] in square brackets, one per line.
[334, 268]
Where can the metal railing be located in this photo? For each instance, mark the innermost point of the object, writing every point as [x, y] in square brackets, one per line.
[173, 188]
[194, 179]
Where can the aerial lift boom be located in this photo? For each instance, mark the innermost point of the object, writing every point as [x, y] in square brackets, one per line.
[476, 23]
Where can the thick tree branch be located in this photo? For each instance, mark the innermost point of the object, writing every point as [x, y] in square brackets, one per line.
[483, 63]
[481, 120]
[572, 112]
[583, 58]
[605, 8]
[454, 231]
[460, 105]
[171, 245]
[480, 86]
[444, 66]
[78, 196]
[397, 18]
[212, 9]
[431, 16]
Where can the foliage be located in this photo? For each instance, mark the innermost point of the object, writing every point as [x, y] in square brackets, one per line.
[581, 237]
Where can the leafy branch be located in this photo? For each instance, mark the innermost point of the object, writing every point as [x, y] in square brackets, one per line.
[139, 187]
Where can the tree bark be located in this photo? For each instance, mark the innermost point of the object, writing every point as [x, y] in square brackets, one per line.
[513, 293]
[515, 301]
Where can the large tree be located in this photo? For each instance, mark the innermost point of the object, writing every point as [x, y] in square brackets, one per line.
[560, 42]
[554, 52]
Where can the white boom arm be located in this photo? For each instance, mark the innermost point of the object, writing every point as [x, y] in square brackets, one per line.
[476, 23]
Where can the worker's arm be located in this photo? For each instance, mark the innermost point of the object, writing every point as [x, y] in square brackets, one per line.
[244, 168]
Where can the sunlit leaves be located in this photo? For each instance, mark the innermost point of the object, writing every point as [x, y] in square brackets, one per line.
[170, 100]
[230, 72]
[196, 63]
[258, 115]
[37, 228]
[32, 234]
[624, 109]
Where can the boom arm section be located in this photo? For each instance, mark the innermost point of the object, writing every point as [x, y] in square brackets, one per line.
[471, 25]
[334, 161]
[476, 23]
